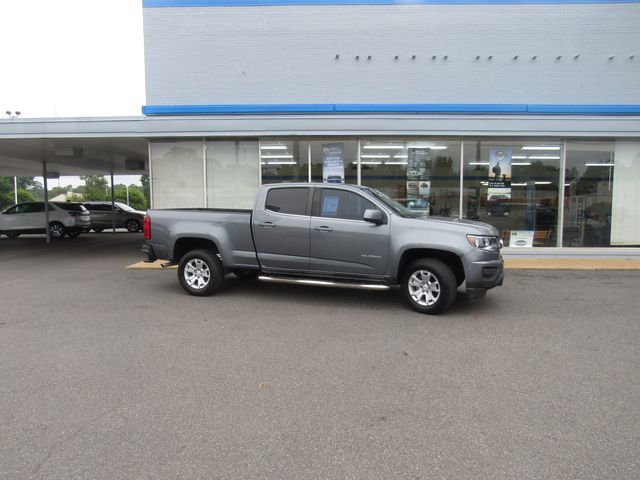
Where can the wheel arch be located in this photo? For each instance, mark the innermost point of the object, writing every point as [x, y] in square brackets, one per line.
[183, 245]
[451, 259]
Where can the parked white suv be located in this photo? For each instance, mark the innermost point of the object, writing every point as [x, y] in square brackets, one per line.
[64, 219]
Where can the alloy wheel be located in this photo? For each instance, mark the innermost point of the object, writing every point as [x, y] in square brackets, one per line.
[197, 274]
[424, 287]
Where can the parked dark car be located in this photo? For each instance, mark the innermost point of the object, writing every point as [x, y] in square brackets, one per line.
[125, 216]
[499, 206]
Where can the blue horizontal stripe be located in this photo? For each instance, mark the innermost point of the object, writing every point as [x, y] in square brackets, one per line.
[505, 109]
[235, 109]
[275, 3]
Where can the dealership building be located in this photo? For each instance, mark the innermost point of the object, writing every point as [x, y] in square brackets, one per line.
[523, 114]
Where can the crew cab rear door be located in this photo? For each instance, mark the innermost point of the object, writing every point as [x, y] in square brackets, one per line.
[281, 228]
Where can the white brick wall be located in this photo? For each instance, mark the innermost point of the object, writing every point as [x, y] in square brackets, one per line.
[221, 55]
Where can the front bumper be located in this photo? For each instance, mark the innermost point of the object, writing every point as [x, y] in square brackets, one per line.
[484, 273]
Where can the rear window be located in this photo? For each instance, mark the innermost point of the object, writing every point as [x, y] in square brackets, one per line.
[292, 201]
[72, 207]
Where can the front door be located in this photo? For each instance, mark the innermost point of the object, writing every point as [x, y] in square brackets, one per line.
[281, 229]
[341, 241]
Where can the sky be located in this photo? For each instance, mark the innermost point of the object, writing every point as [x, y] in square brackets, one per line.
[72, 58]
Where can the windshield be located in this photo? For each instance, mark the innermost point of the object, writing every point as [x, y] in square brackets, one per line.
[392, 204]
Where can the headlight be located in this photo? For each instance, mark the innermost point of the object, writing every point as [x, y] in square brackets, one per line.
[484, 243]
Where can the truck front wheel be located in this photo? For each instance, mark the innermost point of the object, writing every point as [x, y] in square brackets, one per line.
[429, 286]
[201, 273]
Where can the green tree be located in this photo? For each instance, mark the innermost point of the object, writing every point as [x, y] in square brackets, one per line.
[137, 199]
[6, 192]
[95, 187]
[55, 191]
[25, 196]
[29, 184]
[146, 189]
[136, 196]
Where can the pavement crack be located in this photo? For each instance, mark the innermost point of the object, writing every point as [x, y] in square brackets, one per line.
[75, 433]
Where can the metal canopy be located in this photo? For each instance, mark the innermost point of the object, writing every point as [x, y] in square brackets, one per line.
[73, 156]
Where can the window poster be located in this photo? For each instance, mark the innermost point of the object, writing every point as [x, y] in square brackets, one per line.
[521, 238]
[418, 179]
[330, 205]
[333, 162]
[499, 190]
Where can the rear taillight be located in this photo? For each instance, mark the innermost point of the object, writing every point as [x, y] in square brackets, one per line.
[146, 225]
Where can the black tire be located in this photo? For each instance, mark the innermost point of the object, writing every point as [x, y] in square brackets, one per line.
[133, 226]
[246, 274]
[433, 286]
[98, 230]
[200, 273]
[12, 235]
[57, 230]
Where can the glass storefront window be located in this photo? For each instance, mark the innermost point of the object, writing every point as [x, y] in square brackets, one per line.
[422, 174]
[334, 161]
[284, 160]
[177, 169]
[232, 173]
[513, 185]
[588, 192]
[625, 213]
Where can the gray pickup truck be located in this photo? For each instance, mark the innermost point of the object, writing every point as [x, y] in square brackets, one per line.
[328, 234]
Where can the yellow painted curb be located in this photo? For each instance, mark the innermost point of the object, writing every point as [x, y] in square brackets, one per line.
[571, 264]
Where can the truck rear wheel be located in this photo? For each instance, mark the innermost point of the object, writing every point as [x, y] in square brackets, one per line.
[429, 286]
[200, 273]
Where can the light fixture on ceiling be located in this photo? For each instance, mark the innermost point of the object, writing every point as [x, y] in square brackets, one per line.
[371, 163]
[521, 164]
[541, 147]
[273, 147]
[432, 147]
[395, 163]
[383, 147]
[375, 156]
[598, 164]
[478, 163]
[544, 157]
[133, 164]
[276, 156]
[281, 163]
[68, 152]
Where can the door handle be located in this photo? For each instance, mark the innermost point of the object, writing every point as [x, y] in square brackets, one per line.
[323, 229]
[268, 225]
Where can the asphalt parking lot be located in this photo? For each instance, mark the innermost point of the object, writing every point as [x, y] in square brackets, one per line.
[109, 373]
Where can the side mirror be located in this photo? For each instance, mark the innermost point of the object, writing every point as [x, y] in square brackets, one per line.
[373, 216]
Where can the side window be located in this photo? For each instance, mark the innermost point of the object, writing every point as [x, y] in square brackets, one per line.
[288, 200]
[13, 210]
[343, 204]
[35, 208]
